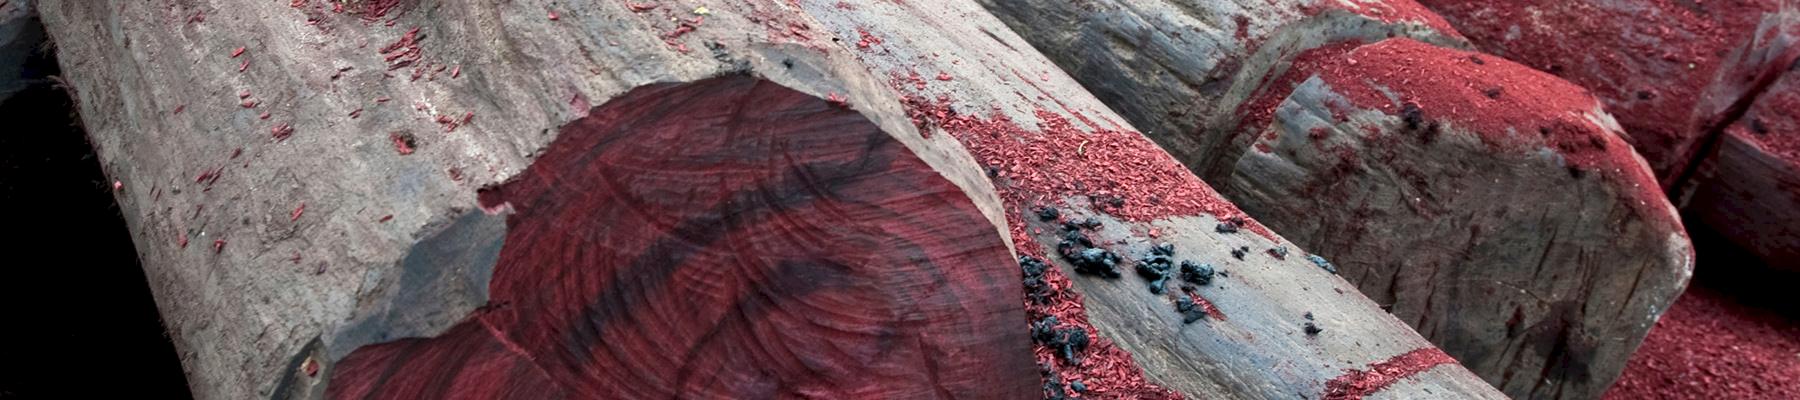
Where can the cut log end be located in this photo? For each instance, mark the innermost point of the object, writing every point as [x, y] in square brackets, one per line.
[785, 246]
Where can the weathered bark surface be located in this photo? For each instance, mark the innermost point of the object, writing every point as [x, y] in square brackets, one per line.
[1750, 190]
[1495, 208]
[1178, 68]
[940, 87]
[1670, 70]
[1428, 190]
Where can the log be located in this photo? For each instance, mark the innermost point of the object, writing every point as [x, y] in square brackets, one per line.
[1673, 72]
[1749, 191]
[764, 199]
[1179, 70]
[1434, 203]
[1416, 169]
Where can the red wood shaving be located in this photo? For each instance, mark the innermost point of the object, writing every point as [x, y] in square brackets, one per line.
[837, 100]
[238, 52]
[382, 99]
[179, 109]
[237, 152]
[117, 185]
[1354, 384]
[456, 72]
[265, 115]
[297, 211]
[181, 240]
[311, 367]
[385, 218]
[468, 116]
[218, 246]
[402, 143]
[943, 76]
[281, 132]
[356, 113]
[553, 15]
[244, 94]
[295, 258]
[636, 7]
[456, 174]
[867, 40]
[248, 103]
[244, 66]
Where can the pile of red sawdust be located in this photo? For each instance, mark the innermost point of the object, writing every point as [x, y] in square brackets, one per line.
[1709, 346]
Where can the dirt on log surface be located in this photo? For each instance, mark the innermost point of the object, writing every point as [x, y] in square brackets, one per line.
[1419, 169]
[389, 198]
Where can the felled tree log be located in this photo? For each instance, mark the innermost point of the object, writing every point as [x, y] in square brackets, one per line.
[1178, 69]
[1674, 72]
[1749, 191]
[760, 199]
[1495, 208]
[1418, 169]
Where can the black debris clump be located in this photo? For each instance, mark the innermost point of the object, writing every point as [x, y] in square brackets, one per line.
[1080, 251]
[1157, 267]
[1048, 214]
[1036, 288]
[1078, 386]
[1068, 341]
[1230, 225]
[1492, 93]
[1196, 273]
[1279, 252]
[1312, 329]
[1053, 388]
[1190, 312]
[1412, 115]
[1089, 223]
[1320, 261]
[1239, 252]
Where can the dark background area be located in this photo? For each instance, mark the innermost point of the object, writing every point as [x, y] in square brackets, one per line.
[79, 321]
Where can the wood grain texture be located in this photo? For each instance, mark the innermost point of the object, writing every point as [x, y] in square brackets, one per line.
[946, 80]
[727, 238]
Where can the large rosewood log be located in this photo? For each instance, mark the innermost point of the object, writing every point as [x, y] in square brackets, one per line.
[1417, 168]
[761, 199]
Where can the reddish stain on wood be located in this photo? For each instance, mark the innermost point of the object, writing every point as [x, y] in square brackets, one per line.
[800, 268]
[1354, 384]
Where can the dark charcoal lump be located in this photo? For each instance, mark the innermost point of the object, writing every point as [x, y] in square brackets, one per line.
[1078, 386]
[1239, 252]
[1089, 223]
[1044, 330]
[1412, 115]
[1069, 341]
[1157, 267]
[1053, 388]
[1320, 261]
[1036, 288]
[1048, 214]
[1196, 273]
[1087, 259]
[1280, 252]
[1190, 312]
[1312, 329]
[1230, 225]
